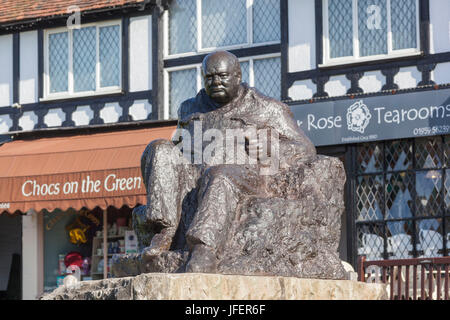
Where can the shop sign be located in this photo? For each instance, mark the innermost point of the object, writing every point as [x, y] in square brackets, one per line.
[76, 190]
[83, 185]
[386, 117]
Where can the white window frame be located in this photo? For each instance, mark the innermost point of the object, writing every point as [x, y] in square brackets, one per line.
[200, 50]
[70, 92]
[198, 66]
[327, 61]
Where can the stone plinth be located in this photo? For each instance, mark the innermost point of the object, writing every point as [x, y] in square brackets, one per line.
[197, 286]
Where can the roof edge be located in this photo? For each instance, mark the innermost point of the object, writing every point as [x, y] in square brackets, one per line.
[59, 20]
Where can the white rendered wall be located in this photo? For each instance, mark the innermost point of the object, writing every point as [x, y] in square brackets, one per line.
[140, 53]
[302, 90]
[441, 74]
[337, 86]
[111, 113]
[6, 70]
[82, 116]
[5, 123]
[32, 256]
[140, 110]
[28, 120]
[372, 81]
[302, 35]
[54, 118]
[408, 78]
[28, 92]
[439, 26]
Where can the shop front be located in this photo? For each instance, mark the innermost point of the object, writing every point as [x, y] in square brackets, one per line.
[396, 151]
[82, 189]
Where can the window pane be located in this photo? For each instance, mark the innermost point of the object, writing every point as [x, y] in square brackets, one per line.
[267, 75]
[266, 20]
[182, 86]
[399, 155]
[245, 72]
[447, 193]
[447, 150]
[224, 23]
[372, 25]
[84, 59]
[370, 158]
[340, 28]
[369, 198]
[399, 188]
[403, 21]
[447, 235]
[399, 239]
[370, 241]
[110, 64]
[428, 153]
[182, 26]
[428, 196]
[58, 49]
[430, 240]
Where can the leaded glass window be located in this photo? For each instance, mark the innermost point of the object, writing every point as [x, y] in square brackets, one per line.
[182, 86]
[398, 195]
[428, 193]
[262, 73]
[245, 70]
[267, 75]
[402, 201]
[370, 158]
[109, 56]
[183, 26]
[357, 29]
[447, 191]
[266, 21]
[372, 27]
[369, 198]
[58, 61]
[85, 60]
[404, 24]
[196, 25]
[340, 28]
[224, 23]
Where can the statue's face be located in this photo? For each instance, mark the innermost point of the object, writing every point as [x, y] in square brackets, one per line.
[221, 79]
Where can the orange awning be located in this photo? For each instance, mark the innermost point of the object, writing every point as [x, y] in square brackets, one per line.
[89, 170]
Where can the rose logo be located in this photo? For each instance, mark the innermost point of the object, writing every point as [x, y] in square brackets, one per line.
[358, 116]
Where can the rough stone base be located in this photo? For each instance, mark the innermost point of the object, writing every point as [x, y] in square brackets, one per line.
[197, 286]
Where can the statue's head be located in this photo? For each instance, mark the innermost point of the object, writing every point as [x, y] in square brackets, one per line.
[222, 76]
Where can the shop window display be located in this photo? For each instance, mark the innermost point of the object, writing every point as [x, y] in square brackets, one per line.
[74, 243]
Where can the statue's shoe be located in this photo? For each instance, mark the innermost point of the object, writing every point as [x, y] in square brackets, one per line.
[123, 265]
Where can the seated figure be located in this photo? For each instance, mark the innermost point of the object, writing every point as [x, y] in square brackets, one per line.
[266, 204]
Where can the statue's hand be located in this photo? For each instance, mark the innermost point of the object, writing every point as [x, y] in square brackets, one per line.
[258, 149]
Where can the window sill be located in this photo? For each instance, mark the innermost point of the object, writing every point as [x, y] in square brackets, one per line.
[369, 60]
[64, 97]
